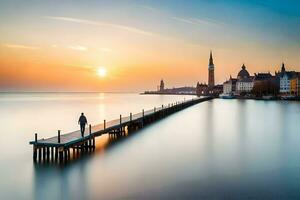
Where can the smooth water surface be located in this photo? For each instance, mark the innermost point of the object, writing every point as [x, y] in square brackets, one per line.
[232, 149]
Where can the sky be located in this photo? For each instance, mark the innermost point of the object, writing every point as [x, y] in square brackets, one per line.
[59, 45]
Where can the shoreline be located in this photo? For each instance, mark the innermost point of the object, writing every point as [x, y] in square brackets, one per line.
[264, 99]
[242, 98]
[166, 93]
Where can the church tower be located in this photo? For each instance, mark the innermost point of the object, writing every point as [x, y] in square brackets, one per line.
[162, 85]
[211, 72]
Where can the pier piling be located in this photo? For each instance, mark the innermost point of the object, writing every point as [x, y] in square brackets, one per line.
[58, 138]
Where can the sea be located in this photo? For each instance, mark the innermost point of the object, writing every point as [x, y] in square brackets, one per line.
[218, 149]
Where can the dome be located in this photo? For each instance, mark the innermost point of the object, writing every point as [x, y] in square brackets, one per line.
[243, 73]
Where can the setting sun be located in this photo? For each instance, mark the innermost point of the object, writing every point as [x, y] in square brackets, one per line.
[101, 71]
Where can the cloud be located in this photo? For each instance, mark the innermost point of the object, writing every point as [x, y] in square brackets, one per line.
[150, 8]
[97, 23]
[20, 46]
[78, 48]
[197, 22]
[188, 21]
[192, 21]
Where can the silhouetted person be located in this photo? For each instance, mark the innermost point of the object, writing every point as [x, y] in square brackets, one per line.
[82, 121]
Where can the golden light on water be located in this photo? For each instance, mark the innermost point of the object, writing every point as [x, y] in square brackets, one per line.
[101, 71]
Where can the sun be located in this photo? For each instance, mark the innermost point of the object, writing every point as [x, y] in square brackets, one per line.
[101, 71]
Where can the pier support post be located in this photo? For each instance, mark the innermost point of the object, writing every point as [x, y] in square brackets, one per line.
[44, 153]
[48, 153]
[60, 154]
[121, 128]
[88, 142]
[130, 116]
[90, 129]
[58, 138]
[94, 144]
[143, 120]
[65, 155]
[40, 154]
[56, 154]
[52, 153]
[34, 153]
[104, 125]
[69, 156]
[35, 148]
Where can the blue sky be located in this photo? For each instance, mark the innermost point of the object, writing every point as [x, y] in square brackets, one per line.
[168, 34]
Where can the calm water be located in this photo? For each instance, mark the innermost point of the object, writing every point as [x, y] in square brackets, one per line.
[230, 149]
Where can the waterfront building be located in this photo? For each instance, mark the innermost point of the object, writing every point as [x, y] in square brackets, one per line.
[295, 85]
[244, 82]
[285, 80]
[285, 83]
[217, 90]
[201, 89]
[204, 90]
[211, 72]
[265, 84]
[229, 86]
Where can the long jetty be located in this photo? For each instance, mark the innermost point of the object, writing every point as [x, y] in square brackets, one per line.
[58, 148]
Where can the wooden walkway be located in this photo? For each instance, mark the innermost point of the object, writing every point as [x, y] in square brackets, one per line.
[57, 148]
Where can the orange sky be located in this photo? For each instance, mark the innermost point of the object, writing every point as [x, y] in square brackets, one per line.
[51, 52]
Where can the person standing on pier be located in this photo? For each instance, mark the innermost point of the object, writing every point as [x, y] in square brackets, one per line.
[82, 122]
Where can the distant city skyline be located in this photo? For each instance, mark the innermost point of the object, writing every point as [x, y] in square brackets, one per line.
[130, 45]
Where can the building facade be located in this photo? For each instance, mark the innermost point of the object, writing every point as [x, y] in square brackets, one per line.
[285, 83]
[285, 80]
[229, 87]
[244, 86]
[201, 89]
[244, 82]
[295, 85]
[265, 84]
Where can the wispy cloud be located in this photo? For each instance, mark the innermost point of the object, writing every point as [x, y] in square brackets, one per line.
[188, 21]
[196, 21]
[97, 23]
[150, 8]
[192, 21]
[78, 48]
[20, 46]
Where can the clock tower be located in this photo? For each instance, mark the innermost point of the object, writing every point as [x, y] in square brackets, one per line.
[211, 72]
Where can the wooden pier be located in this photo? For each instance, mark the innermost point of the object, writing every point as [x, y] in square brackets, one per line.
[58, 148]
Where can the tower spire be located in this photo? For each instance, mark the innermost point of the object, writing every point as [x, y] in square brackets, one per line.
[282, 67]
[211, 62]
